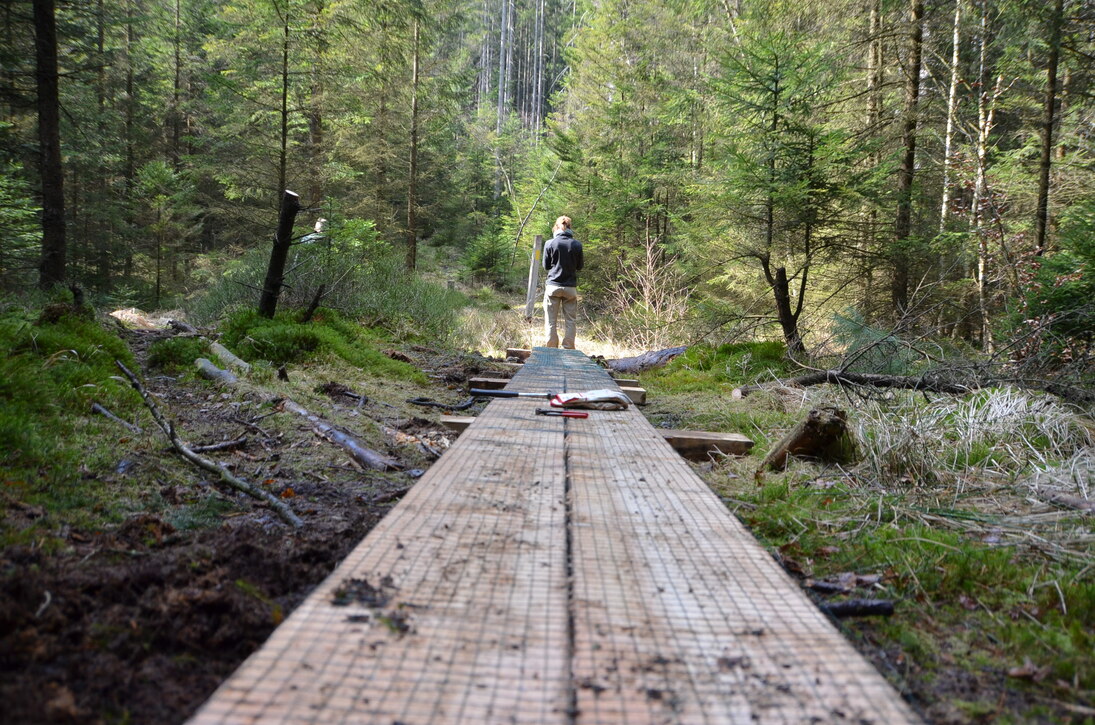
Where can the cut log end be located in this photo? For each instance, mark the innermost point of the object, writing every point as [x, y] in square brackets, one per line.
[822, 436]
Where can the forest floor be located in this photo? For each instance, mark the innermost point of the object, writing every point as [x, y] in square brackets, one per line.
[141, 619]
[140, 622]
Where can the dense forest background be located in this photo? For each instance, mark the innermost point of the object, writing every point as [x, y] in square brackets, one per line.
[815, 172]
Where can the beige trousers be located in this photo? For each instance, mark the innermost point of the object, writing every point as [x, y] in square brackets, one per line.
[566, 299]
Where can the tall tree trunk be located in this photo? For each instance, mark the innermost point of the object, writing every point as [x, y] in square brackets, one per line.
[315, 112]
[538, 95]
[51, 268]
[129, 170]
[283, 157]
[899, 291]
[1041, 218]
[176, 93]
[952, 112]
[412, 185]
[874, 110]
[986, 114]
[503, 71]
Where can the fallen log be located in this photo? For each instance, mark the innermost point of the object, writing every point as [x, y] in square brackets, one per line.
[821, 436]
[182, 328]
[839, 377]
[228, 358]
[279, 506]
[859, 608]
[360, 454]
[208, 370]
[646, 361]
[1068, 501]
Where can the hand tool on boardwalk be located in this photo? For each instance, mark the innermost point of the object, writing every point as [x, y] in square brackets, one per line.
[562, 413]
[601, 399]
[509, 394]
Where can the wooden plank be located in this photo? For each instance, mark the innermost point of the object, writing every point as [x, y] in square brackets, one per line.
[690, 444]
[473, 560]
[679, 614]
[637, 395]
[696, 445]
[626, 382]
[457, 423]
[488, 383]
[556, 570]
[517, 352]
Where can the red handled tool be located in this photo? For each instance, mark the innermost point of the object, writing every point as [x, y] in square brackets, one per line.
[562, 413]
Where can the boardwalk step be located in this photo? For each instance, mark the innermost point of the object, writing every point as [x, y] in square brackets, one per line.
[488, 383]
[637, 395]
[695, 445]
[517, 352]
[457, 423]
[626, 382]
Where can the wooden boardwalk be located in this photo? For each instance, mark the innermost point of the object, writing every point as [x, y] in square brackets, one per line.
[550, 570]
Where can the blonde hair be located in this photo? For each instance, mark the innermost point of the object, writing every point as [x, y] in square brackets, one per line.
[561, 223]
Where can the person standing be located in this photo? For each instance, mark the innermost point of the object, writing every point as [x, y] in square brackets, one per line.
[562, 260]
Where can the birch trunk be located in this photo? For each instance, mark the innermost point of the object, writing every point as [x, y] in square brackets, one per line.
[952, 109]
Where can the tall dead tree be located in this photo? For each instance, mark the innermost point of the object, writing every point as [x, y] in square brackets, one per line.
[275, 272]
[1041, 219]
[51, 267]
[899, 291]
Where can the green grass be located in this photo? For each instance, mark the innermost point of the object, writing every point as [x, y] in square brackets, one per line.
[50, 374]
[283, 340]
[977, 594]
[176, 354]
[730, 365]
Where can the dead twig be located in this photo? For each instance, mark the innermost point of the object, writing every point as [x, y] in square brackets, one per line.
[222, 446]
[96, 408]
[205, 464]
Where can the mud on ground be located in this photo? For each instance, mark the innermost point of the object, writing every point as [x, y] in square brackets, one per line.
[142, 623]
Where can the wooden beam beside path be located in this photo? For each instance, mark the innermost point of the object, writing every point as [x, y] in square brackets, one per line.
[557, 570]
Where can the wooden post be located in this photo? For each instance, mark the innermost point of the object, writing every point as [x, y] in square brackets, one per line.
[271, 288]
[534, 275]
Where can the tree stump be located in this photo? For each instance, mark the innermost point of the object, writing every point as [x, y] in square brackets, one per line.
[822, 436]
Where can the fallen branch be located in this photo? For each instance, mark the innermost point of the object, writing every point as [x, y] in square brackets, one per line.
[360, 454]
[222, 446]
[859, 608]
[307, 316]
[390, 496]
[837, 377]
[1068, 501]
[96, 408]
[168, 428]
